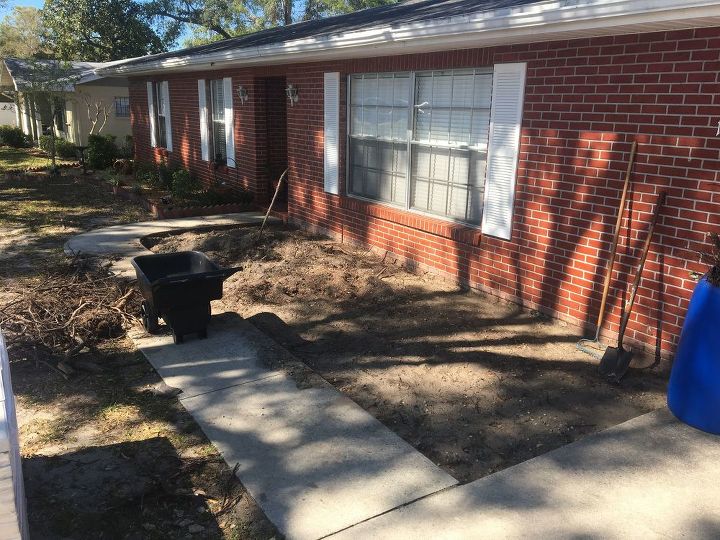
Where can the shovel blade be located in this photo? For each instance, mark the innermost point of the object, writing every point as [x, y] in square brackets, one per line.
[615, 363]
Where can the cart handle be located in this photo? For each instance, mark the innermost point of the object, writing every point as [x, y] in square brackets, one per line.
[224, 273]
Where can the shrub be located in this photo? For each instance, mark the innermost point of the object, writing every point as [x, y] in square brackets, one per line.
[166, 175]
[12, 136]
[101, 151]
[125, 148]
[115, 179]
[45, 143]
[146, 174]
[65, 149]
[184, 183]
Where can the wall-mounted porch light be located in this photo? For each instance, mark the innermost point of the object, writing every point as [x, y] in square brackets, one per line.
[292, 94]
[242, 94]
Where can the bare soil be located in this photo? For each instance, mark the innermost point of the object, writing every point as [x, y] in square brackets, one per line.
[474, 383]
[105, 455]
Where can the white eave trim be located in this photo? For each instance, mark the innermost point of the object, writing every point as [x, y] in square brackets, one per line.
[554, 19]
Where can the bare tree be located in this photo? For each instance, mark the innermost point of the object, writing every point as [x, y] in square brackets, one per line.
[98, 113]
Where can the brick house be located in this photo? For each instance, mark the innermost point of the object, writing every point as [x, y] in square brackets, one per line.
[487, 140]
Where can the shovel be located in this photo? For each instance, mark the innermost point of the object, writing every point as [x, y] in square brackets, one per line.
[616, 360]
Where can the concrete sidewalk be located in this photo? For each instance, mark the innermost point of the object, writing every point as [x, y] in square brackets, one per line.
[650, 477]
[315, 461]
[123, 241]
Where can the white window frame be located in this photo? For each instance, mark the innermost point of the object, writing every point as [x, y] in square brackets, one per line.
[407, 206]
[160, 89]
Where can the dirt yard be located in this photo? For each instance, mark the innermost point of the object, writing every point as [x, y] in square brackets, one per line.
[474, 383]
[107, 451]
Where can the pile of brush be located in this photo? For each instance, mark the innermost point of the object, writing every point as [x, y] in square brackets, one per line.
[67, 311]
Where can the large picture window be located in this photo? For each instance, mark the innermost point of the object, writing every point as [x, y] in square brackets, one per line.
[431, 126]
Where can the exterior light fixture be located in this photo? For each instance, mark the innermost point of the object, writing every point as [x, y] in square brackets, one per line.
[242, 94]
[292, 94]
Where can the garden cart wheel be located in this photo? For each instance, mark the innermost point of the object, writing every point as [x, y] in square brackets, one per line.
[149, 318]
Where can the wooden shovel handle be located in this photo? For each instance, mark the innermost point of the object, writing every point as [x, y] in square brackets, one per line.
[616, 237]
[638, 274]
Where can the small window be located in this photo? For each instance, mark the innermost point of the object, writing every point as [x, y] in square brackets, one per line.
[161, 108]
[122, 107]
[217, 120]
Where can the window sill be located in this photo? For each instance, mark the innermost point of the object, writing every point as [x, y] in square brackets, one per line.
[445, 228]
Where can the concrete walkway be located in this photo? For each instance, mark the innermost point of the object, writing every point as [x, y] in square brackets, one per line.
[123, 241]
[315, 461]
[650, 477]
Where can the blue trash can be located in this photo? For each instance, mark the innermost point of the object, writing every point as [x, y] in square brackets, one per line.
[694, 389]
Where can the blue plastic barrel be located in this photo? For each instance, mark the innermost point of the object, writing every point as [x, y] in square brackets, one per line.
[694, 389]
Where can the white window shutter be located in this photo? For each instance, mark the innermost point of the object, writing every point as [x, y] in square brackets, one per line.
[503, 147]
[151, 114]
[229, 131]
[204, 135]
[168, 126]
[332, 132]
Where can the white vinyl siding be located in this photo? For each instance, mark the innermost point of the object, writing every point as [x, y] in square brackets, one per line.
[331, 132]
[434, 128]
[505, 121]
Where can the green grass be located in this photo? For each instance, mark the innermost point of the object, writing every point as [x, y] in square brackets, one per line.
[13, 159]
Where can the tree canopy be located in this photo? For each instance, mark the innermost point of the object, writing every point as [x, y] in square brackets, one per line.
[102, 30]
[211, 20]
[20, 34]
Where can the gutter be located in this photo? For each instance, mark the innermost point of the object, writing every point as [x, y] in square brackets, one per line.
[554, 19]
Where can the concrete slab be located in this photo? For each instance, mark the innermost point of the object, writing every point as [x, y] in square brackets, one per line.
[650, 477]
[228, 357]
[314, 460]
[124, 240]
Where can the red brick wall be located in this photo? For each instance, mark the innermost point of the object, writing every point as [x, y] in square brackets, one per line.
[586, 101]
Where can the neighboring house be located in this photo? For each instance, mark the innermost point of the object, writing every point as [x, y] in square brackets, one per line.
[92, 99]
[8, 112]
[487, 140]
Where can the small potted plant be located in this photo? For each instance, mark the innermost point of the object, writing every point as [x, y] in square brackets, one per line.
[694, 389]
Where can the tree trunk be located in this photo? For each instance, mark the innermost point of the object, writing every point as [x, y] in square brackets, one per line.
[287, 11]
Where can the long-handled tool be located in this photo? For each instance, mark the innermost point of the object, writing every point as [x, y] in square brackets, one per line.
[616, 360]
[590, 346]
[272, 202]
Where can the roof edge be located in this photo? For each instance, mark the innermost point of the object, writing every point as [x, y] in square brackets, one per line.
[543, 21]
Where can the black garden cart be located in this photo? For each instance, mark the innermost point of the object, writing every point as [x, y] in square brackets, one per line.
[179, 287]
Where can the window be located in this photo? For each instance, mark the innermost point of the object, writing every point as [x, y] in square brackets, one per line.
[421, 140]
[447, 150]
[122, 107]
[161, 109]
[215, 104]
[158, 94]
[379, 106]
[217, 120]
[450, 140]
